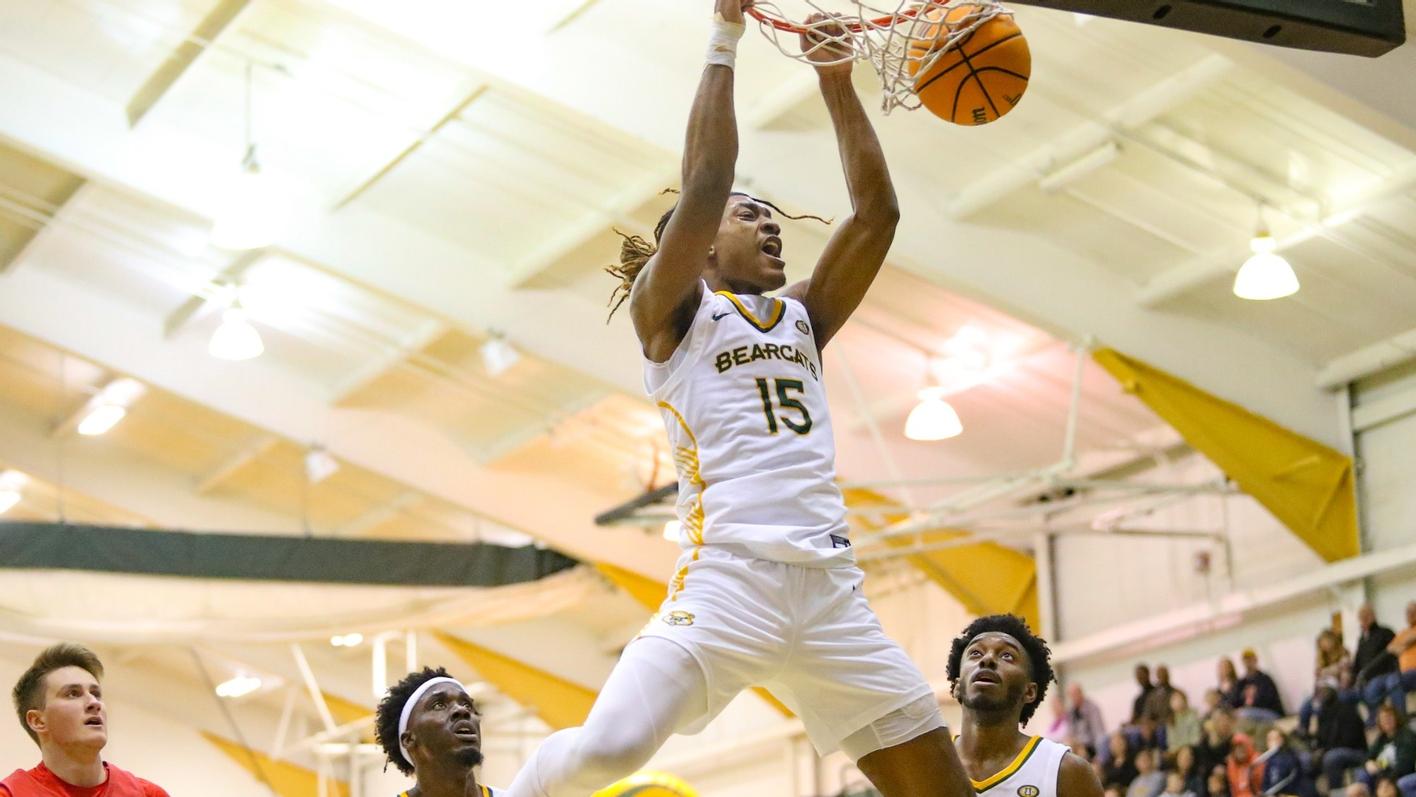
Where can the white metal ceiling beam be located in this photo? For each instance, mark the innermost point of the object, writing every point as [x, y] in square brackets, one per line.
[113, 476]
[592, 225]
[379, 515]
[235, 463]
[1133, 113]
[229, 277]
[1174, 283]
[419, 339]
[186, 55]
[42, 222]
[269, 397]
[356, 243]
[1395, 350]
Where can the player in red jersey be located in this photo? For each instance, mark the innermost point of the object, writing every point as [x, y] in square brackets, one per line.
[60, 704]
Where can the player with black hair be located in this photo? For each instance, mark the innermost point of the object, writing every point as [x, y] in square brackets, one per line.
[999, 671]
[767, 591]
[429, 728]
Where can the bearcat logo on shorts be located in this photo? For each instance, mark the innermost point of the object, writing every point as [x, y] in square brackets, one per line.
[679, 617]
[1027, 791]
[802, 327]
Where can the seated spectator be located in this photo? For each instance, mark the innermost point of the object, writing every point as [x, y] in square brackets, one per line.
[1138, 706]
[1283, 769]
[1146, 735]
[1149, 780]
[1175, 786]
[1214, 700]
[1228, 683]
[1184, 727]
[1245, 770]
[1372, 659]
[1217, 784]
[1341, 741]
[1157, 707]
[1119, 767]
[1187, 767]
[1394, 685]
[1333, 663]
[1084, 720]
[1392, 753]
[1386, 787]
[1213, 749]
[1259, 698]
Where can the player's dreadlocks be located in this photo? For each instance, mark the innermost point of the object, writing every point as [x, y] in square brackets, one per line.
[1039, 655]
[635, 250]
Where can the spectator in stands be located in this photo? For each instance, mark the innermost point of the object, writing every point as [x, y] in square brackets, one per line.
[1149, 780]
[1386, 787]
[1372, 659]
[1283, 769]
[1228, 683]
[1392, 753]
[1341, 740]
[1118, 767]
[1175, 786]
[1217, 784]
[1213, 701]
[1138, 706]
[1184, 728]
[1158, 701]
[1394, 685]
[1213, 749]
[1187, 767]
[1333, 663]
[1245, 770]
[1146, 735]
[1259, 698]
[1084, 720]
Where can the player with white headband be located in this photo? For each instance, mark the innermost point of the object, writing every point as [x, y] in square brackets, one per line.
[429, 728]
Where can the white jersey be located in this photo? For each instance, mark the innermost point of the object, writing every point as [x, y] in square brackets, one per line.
[745, 406]
[1032, 774]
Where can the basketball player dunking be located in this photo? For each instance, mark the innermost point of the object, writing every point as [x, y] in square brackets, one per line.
[767, 592]
[999, 671]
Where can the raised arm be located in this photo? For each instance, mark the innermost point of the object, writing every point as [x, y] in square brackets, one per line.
[667, 290]
[857, 249]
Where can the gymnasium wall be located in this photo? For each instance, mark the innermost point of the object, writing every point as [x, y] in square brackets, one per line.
[1100, 585]
[1388, 485]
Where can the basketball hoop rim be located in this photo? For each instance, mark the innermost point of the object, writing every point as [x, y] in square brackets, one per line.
[854, 26]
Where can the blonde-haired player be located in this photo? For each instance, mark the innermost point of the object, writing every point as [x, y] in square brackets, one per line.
[767, 591]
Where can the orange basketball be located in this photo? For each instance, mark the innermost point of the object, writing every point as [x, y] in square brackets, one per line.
[982, 77]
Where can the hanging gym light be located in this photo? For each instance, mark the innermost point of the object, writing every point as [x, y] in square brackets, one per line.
[1265, 275]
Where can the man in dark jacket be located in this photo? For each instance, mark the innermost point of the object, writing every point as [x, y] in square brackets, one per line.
[1259, 698]
[1341, 740]
[1371, 657]
[1143, 680]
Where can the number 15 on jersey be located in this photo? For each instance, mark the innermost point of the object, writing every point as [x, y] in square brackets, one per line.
[787, 411]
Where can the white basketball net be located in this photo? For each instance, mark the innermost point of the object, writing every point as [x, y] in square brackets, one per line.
[883, 37]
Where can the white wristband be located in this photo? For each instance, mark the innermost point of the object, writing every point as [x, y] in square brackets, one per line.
[722, 44]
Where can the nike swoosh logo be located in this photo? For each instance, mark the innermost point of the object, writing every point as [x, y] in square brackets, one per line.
[722, 315]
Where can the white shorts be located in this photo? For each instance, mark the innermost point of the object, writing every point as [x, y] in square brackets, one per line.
[806, 634]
